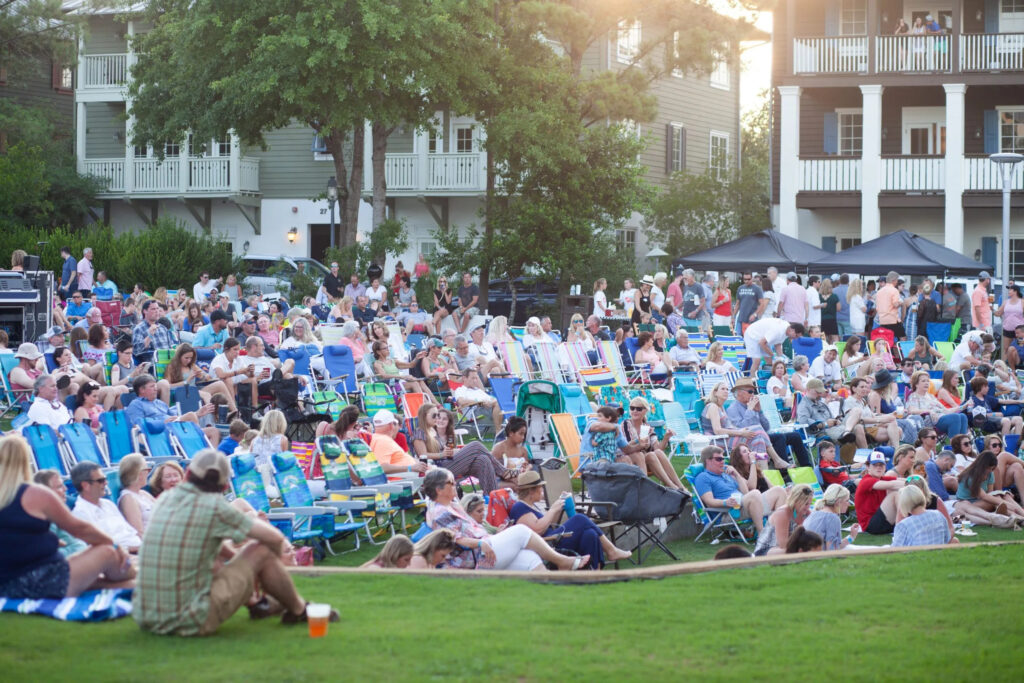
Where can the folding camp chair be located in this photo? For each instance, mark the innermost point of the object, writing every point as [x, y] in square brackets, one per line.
[117, 435]
[376, 500]
[568, 442]
[683, 442]
[330, 334]
[188, 438]
[709, 380]
[609, 353]
[46, 450]
[411, 402]
[377, 396]
[301, 356]
[155, 441]
[806, 475]
[340, 368]
[773, 477]
[549, 366]
[329, 403]
[514, 357]
[807, 346]
[576, 403]
[80, 445]
[721, 522]
[578, 357]
[363, 463]
[684, 390]
[470, 415]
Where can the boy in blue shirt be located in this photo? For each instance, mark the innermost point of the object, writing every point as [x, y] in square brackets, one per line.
[236, 432]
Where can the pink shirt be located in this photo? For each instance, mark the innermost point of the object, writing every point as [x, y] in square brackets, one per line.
[1013, 314]
[793, 303]
[675, 292]
[887, 303]
[981, 309]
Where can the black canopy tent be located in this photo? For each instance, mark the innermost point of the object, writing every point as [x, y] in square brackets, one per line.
[756, 252]
[902, 251]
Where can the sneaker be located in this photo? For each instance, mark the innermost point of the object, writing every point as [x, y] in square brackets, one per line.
[289, 618]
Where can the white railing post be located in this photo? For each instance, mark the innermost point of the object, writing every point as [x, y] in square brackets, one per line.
[184, 165]
[129, 151]
[235, 167]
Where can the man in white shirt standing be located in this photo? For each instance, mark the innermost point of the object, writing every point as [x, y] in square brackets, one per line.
[814, 304]
[778, 282]
[92, 507]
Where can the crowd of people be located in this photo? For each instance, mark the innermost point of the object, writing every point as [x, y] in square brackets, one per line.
[226, 346]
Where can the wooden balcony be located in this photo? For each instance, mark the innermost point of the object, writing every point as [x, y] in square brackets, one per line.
[194, 176]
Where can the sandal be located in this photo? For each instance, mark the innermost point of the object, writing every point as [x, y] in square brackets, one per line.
[579, 561]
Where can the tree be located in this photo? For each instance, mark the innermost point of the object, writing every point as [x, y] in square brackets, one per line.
[39, 184]
[560, 180]
[698, 211]
[213, 66]
[33, 33]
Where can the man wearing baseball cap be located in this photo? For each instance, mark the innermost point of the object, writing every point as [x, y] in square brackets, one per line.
[393, 458]
[53, 338]
[981, 307]
[875, 499]
[213, 335]
[180, 591]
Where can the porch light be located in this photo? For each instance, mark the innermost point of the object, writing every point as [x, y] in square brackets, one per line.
[293, 235]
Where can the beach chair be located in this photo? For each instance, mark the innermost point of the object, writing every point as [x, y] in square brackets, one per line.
[330, 334]
[11, 399]
[46, 450]
[301, 356]
[720, 522]
[505, 390]
[329, 403]
[340, 368]
[807, 346]
[161, 359]
[188, 438]
[685, 441]
[576, 403]
[377, 396]
[945, 348]
[155, 442]
[806, 475]
[395, 341]
[411, 403]
[612, 359]
[305, 453]
[338, 476]
[414, 342]
[515, 359]
[80, 445]
[400, 493]
[470, 415]
[770, 409]
[117, 435]
[684, 391]
[518, 332]
[568, 442]
[773, 477]
[549, 366]
[578, 357]
[595, 379]
[709, 380]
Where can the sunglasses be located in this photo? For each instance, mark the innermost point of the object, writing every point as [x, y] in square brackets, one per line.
[637, 409]
[97, 481]
[930, 436]
[718, 458]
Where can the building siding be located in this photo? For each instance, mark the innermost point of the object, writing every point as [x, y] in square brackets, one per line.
[107, 35]
[103, 121]
[287, 166]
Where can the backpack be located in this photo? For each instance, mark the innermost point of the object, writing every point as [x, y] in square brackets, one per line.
[499, 506]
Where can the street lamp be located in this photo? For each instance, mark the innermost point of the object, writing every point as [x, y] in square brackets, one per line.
[1007, 160]
[332, 197]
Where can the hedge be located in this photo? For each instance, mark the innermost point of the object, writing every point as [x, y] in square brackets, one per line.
[164, 255]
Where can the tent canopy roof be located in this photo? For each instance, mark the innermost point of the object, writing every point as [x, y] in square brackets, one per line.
[756, 251]
[902, 251]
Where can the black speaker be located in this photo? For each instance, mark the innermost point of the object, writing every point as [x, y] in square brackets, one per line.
[31, 262]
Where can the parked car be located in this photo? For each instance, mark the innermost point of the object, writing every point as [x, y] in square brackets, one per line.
[533, 297]
[258, 278]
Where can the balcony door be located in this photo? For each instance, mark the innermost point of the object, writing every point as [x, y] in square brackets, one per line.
[924, 131]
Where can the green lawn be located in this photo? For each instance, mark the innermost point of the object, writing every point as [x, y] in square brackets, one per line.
[945, 615]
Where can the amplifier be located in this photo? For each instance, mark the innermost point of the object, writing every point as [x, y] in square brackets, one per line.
[26, 301]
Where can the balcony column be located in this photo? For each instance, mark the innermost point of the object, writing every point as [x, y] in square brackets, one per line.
[129, 150]
[235, 165]
[954, 41]
[80, 128]
[368, 156]
[791, 35]
[954, 224]
[422, 147]
[130, 59]
[872, 24]
[871, 163]
[184, 165]
[789, 160]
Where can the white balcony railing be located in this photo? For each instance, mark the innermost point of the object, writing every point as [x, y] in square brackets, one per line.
[980, 173]
[104, 71]
[992, 52]
[400, 171]
[844, 54]
[834, 174]
[204, 175]
[454, 171]
[111, 169]
[913, 174]
[896, 54]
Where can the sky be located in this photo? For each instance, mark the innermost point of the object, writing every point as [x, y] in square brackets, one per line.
[756, 67]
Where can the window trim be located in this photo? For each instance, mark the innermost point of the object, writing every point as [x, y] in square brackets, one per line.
[843, 11]
[1013, 109]
[677, 154]
[721, 66]
[627, 41]
[57, 71]
[711, 153]
[625, 240]
[840, 113]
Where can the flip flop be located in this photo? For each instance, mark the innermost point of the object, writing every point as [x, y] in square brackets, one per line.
[579, 561]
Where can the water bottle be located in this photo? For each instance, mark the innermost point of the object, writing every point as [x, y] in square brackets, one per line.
[569, 505]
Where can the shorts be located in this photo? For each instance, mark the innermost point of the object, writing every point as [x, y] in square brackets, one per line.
[1009, 334]
[897, 330]
[830, 327]
[231, 588]
[879, 525]
[473, 310]
[49, 580]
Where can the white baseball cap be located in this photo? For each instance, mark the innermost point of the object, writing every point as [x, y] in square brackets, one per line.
[384, 417]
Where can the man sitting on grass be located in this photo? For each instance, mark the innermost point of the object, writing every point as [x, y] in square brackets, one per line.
[181, 590]
[721, 486]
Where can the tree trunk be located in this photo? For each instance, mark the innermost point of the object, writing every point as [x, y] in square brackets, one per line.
[335, 144]
[512, 306]
[380, 189]
[353, 190]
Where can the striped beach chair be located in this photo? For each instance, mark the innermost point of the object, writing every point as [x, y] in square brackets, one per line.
[515, 359]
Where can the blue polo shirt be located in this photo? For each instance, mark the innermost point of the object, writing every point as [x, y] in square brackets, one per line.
[77, 310]
[206, 337]
[69, 268]
[721, 486]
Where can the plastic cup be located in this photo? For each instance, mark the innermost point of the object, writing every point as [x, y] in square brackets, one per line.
[569, 506]
[318, 614]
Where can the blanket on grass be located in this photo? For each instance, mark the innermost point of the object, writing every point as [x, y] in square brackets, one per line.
[99, 605]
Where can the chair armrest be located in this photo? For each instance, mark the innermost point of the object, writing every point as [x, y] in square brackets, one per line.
[343, 506]
[307, 510]
[281, 515]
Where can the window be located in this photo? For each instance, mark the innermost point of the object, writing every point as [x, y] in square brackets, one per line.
[172, 149]
[851, 132]
[627, 43]
[428, 249]
[433, 143]
[847, 242]
[625, 241]
[676, 143]
[722, 74]
[853, 18]
[1016, 258]
[464, 142]
[718, 155]
[62, 78]
[1013, 6]
[678, 73]
[1011, 129]
[222, 148]
[141, 151]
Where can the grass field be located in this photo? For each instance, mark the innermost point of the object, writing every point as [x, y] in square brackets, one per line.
[942, 615]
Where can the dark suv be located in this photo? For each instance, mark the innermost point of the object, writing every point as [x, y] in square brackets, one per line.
[533, 297]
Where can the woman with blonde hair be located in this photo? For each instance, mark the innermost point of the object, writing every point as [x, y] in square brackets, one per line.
[135, 502]
[916, 524]
[31, 565]
[397, 553]
[497, 331]
[825, 520]
[342, 311]
[858, 307]
[778, 384]
[644, 448]
[432, 550]
[270, 441]
[716, 361]
[781, 523]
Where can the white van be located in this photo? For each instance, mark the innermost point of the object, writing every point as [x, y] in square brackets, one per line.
[258, 281]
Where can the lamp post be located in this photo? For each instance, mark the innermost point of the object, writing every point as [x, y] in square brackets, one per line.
[1006, 160]
[332, 197]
